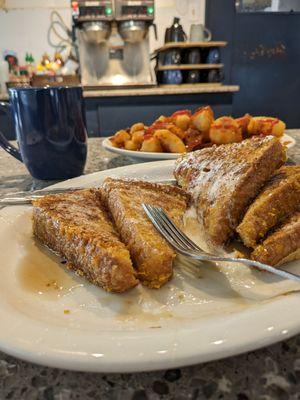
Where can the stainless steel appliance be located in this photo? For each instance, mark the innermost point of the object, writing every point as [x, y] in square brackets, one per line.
[113, 42]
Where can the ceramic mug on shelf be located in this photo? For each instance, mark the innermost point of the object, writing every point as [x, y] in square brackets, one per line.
[172, 77]
[199, 33]
[193, 56]
[51, 130]
[213, 56]
[193, 76]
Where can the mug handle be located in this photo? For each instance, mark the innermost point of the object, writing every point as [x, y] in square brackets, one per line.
[4, 143]
[209, 35]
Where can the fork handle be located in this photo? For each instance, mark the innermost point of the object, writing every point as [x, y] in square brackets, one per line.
[250, 263]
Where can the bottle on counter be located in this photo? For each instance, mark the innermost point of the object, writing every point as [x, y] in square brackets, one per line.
[29, 61]
[4, 76]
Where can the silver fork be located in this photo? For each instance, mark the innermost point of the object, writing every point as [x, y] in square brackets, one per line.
[185, 246]
[22, 198]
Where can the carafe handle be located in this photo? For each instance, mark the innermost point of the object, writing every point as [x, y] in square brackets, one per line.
[209, 35]
[155, 30]
[4, 143]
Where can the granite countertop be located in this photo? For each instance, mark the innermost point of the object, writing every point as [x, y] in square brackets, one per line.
[266, 374]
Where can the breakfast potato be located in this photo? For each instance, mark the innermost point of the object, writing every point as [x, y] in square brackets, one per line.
[182, 119]
[170, 142]
[225, 130]
[243, 123]
[202, 120]
[163, 118]
[183, 131]
[138, 138]
[120, 137]
[176, 130]
[112, 142]
[266, 126]
[131, 145]
[152, 144]
[155, 126]
[139, 126]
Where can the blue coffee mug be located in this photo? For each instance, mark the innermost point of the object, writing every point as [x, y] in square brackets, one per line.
[213, 56]
[51, 131]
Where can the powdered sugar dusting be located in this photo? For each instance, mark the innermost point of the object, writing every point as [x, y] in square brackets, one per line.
[214, 176]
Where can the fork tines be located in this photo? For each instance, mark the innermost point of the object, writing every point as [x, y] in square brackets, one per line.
[169, 230]
[185, 246]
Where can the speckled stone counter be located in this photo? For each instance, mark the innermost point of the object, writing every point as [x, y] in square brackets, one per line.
[266, 374]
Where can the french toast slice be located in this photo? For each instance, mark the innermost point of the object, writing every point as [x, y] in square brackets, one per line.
[281, 246]
[279, 198]
[151, 254]
[223, 180]
[77, 227]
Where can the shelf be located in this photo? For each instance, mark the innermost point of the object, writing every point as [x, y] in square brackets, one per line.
[164, 90]
[171, 45]
[193, 85]
[188, 66]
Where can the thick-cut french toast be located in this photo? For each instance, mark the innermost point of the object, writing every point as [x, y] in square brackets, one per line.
[77, 227]
[152, 256]
[279, 198]
[281, 246]
[223, 180]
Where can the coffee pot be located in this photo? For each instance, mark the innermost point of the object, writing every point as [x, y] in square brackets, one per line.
[175, 33]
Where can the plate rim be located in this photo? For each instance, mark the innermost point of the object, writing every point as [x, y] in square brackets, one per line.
[233, 345]
[139, 154]
[163, 156]
[77, 361]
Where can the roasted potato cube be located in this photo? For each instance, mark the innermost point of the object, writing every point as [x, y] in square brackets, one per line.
[266, 126]
[120, 137]
[152, 144]
[112, 142]
[176, 130]
[131, 145]
[139, 126]
[162, 118]
[243, 123]
[225, 130]
[182, 119]
[170, 142]
[138, 138]
[202, 120]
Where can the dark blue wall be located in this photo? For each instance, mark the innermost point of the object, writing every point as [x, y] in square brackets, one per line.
[120, 112]
[106, 115]
[263, 57]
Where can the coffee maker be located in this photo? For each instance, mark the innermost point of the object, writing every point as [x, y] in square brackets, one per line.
[112, 37]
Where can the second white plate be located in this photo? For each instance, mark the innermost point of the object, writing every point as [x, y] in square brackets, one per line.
[286, 139]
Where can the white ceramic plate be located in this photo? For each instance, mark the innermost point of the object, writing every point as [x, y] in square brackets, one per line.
[51, 317]
[143, 155]
[140, 155]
